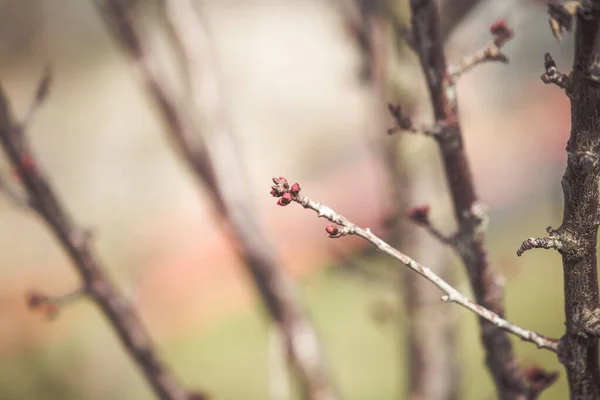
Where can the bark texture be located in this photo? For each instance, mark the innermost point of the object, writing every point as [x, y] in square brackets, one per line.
[579, 229]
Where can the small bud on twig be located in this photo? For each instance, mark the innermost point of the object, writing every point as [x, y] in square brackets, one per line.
[332, 230]
[419, 214]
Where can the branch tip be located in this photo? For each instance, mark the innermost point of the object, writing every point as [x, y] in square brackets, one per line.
[344, 227]
[501, 34]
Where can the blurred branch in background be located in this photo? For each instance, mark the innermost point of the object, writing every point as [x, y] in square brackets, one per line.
[344, 227]
[468, 241]
[431, 332]
[208, 145]
[75, 240]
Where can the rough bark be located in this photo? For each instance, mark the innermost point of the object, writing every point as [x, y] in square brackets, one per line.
[579, 229]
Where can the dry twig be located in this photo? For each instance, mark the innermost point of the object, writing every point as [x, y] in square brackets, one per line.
[291, 193]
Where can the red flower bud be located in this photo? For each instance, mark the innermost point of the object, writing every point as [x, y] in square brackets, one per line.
[295, 189]
[500, 28]
[287, 197]
[332, 230]
[419, 214]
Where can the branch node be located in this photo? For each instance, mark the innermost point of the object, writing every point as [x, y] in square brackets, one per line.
[450, 293]
[50, 306]
[405, 124]
[588, 319]
[492, 52]
[552, 75]
[420, 216]
[552, 241]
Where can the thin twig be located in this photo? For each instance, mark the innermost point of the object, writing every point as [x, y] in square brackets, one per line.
[553, 75]
[492, 52]
[292, 194]
[73, 239]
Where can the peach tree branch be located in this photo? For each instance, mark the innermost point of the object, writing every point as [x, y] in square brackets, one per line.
[343, 227]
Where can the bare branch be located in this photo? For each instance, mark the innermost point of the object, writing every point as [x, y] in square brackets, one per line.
[553, 75]
[492, 52]
[205, 140]
[581, 188]
[485, 283]
[73, 239]
[344, 227]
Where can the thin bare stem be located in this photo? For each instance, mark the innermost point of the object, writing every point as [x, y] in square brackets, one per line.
[491, 52]
[116, 308]
[289, 195]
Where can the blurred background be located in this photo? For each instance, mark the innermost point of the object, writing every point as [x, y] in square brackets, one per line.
[304, 106]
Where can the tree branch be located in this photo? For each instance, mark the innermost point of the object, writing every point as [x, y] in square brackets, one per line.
[96, 284]
[578, 349]
[207, 144]
[428, 42]
[288, 194]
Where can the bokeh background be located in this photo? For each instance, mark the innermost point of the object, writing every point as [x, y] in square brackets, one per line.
[301, 109]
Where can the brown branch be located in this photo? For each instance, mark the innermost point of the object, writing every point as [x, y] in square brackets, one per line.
[578, 350]
[503, 366]
[288, 194]
[96, 284]
[207, 144]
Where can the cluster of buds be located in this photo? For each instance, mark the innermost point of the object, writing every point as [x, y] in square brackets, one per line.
[43, 303]
[284, 191]
[419, 214]
[501, 32]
